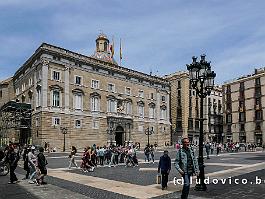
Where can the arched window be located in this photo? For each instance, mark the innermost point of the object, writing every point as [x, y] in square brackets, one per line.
[55, 98]
[56, 91]
[163, 112]
[105, 46]
[152, 110]
[78, 99]
[141, 109]
[112, 105]
[38, 96]
[23, 98]
[95, 102]
[128, 107]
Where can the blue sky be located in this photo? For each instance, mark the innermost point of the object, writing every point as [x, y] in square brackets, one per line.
[157, 35]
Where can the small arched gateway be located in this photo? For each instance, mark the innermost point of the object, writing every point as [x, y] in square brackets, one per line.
[119, 130]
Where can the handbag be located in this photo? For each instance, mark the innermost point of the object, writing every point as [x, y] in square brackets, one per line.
[158, 179]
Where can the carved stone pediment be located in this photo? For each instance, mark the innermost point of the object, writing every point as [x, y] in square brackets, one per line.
[56, 87]
[95, 94]
[77, 90]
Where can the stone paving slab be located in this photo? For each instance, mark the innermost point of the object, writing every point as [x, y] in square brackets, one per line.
[133, 190]
[23, 190]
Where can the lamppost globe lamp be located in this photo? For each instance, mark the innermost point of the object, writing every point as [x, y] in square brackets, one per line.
[202, 80]
[193, 69]
[148, 132]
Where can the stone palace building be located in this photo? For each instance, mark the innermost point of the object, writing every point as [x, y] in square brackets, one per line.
[91, 98]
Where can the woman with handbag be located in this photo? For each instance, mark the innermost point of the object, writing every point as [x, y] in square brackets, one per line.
[164, 166]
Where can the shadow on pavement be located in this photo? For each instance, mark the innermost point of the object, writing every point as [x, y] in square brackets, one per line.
[13, 191]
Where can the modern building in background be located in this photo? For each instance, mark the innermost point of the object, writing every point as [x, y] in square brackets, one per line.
[244, 108]
[91, 98]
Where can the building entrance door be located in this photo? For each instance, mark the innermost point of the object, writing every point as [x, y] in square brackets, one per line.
[259, 140]
[119, 135]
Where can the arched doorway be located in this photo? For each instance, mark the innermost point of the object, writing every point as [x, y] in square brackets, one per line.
[119, 135]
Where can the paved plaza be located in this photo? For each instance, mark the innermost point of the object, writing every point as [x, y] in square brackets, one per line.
[140, 182]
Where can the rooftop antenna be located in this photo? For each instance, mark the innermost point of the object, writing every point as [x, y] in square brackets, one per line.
[150, 68]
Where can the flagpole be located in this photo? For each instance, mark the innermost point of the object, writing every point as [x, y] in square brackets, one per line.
[120, 52]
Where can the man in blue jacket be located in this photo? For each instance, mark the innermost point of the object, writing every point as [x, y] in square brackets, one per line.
[164, 166]
[187, 165]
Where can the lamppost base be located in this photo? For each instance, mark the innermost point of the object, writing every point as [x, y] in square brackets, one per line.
[200, 187]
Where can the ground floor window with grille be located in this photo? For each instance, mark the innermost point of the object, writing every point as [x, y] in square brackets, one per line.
[56, 121]
[78, 123]
[95, 124]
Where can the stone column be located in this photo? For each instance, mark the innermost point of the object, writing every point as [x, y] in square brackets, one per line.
[44, 80]
[66, 88]
[167, 116]
[158, 106]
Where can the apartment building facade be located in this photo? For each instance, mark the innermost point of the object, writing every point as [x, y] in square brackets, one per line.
[244, 108]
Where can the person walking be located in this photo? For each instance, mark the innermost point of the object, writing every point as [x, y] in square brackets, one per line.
[26, 162]
[207, 147]
[187, 165]
[147, 153]
[212, 147]
[135, 159]
[112, 160]
[32, 160]
[72, 157]
[100, 154]
[164, 166]
[218, 149]
[12, 158]
[152, 153]
[41, 165]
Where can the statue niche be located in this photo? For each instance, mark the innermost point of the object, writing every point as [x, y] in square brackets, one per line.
[120, 106]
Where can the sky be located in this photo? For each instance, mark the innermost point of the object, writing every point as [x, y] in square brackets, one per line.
[157, 35]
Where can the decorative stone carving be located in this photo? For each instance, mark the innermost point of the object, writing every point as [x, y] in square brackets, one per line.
[44, 62]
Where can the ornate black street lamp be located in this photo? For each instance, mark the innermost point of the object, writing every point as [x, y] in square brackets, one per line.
[110, 131]
[64, 132]
[202, 80]
[149, 131]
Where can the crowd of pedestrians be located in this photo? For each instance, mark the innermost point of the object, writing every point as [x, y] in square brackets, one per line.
[109, 156]
[34, 164]
[230, 147]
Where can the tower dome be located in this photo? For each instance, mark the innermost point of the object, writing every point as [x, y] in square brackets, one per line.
[103, 49]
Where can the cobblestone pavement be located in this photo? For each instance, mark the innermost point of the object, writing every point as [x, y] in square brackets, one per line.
[139, 182]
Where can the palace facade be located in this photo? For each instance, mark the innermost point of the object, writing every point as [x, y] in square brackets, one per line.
[91, 99]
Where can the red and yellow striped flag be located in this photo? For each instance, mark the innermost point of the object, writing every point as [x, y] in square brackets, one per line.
[120, 50]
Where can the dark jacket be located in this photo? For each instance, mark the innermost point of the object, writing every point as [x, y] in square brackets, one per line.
[164, 164]
[42, 162]
[12, 158]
